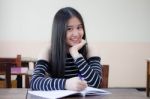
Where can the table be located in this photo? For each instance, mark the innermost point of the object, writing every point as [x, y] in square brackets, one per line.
[117, 93]
[13, 93]
[22, 75]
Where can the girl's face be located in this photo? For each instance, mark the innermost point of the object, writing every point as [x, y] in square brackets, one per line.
[75, 32]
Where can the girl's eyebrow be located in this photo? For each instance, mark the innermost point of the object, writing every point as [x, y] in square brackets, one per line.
[70, 26]
[76, 25]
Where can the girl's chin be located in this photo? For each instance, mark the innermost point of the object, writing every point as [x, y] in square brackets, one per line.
[73, 44]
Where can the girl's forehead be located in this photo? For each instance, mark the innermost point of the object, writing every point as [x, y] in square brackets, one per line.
[74, 21]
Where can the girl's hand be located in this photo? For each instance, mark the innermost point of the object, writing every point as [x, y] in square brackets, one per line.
[74, 49]
[75, 84]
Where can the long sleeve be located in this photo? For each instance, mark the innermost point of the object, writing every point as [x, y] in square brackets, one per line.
[90, 70]
[40, 81]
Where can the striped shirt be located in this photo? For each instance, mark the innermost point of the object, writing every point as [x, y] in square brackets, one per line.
[90, 70]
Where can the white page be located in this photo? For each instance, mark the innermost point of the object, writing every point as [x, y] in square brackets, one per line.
[94, 91]
[62, 93]
[52, 94]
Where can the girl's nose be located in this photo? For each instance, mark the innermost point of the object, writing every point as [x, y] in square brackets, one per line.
[75, 32]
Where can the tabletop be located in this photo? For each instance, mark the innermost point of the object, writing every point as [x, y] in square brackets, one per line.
[116, 93]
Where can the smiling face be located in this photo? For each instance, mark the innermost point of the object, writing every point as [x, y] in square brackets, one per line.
[75, 32]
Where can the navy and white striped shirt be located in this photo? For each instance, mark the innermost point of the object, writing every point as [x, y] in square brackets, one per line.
[90, 70]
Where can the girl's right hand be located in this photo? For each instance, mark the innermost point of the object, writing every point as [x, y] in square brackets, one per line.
[74, 49]
[75, 84]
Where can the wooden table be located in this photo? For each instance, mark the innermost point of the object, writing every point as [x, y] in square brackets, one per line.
[13, 93]
[116, 94]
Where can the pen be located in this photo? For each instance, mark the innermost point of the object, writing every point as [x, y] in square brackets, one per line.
[79, 75]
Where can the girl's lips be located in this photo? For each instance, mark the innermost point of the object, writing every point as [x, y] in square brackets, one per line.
[75, 40]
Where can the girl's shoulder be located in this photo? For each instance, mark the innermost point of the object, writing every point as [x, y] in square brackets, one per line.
[44, 53]
[93, 50]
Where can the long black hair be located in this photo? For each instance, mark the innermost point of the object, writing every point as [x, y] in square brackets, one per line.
[58, 52]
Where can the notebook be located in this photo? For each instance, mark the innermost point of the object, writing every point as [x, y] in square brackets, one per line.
[64, 93]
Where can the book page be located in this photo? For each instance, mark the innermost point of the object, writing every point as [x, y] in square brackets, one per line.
[63, 93]
[94, 91]
[53, 94]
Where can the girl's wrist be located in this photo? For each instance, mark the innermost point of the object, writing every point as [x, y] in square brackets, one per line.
[76, 56]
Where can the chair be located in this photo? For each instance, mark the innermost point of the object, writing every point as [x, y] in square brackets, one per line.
[148, 78]
[105, 75]
[30, 63]
[5, 69]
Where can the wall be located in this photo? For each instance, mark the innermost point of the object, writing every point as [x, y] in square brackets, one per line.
[119, 29]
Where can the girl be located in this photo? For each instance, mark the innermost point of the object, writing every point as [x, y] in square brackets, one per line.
[68, 63]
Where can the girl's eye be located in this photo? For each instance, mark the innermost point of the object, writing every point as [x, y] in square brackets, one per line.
[79, 27]
[69, 28]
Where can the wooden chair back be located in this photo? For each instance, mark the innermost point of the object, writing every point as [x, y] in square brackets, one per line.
[14, 61]
[105, 76]
[148, 78]
[5, 68]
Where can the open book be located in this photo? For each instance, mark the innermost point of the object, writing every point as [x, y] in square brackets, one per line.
[63, 93]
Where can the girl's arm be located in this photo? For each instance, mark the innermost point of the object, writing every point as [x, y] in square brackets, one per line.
[91, 69]
[40, 81]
